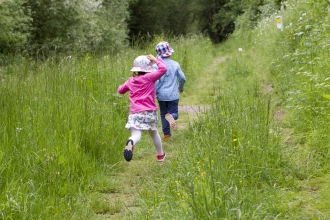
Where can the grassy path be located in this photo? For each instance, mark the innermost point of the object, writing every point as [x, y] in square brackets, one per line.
[143, 172]
[138, 174]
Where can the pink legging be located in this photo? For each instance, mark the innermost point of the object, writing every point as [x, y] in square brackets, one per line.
[137, 134]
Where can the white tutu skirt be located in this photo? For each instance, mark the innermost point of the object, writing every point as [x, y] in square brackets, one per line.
[145, 120]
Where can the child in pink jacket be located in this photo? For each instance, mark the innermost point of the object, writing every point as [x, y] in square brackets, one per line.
[143, 109]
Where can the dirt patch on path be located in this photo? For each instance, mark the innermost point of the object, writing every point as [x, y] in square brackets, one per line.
[193, 108]
[189, 113]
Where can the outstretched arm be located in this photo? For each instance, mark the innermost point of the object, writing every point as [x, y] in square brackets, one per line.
[122, 89]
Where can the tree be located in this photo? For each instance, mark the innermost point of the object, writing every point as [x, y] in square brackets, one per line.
[76, 25]
[254, 10]
[144, 18]
[178, 16]
[220, 18]
[150, 17]
[14, 25]
[217, 17]
[51, 23]
[106, 29]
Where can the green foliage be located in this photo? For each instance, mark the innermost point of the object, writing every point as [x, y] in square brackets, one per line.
[297, 60]
[52, 22]
[223, 21]
[14, 25]
[220, 18]
[149, 18]
[41, 28]
[112, 27]
[82, 26]
[254, 12]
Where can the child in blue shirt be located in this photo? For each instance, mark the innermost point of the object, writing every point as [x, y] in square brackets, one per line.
[168, 88]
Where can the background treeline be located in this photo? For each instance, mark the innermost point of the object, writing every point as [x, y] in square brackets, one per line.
[42, 27]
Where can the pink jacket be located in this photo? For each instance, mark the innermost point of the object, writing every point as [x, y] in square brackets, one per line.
[142, 89]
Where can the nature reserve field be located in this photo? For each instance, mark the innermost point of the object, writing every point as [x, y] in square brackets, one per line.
[253, 137]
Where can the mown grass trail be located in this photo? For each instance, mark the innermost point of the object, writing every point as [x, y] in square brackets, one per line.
[253, 168]
[140, 173]
[143, 170]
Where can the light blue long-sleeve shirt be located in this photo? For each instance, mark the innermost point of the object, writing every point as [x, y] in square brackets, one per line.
[168, 86]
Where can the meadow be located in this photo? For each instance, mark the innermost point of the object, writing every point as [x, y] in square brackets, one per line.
[260, 151]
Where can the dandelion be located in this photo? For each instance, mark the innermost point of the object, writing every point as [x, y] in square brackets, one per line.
[235, 139]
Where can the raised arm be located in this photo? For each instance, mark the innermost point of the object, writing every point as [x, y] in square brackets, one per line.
[154, 76]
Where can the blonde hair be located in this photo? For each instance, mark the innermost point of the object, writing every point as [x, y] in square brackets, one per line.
[138, 73]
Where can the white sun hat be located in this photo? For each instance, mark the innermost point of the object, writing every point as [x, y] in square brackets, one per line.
[142, 64]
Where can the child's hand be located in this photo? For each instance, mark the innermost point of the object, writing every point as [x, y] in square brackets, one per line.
[151, 58]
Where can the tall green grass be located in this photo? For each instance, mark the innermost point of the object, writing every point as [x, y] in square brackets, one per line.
[59, 128]
[62, 128]
[298, 70]
[238, 161]
[229, 163]
[62, 131]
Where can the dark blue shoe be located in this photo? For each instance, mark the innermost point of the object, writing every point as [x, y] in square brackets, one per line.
[128, 152]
